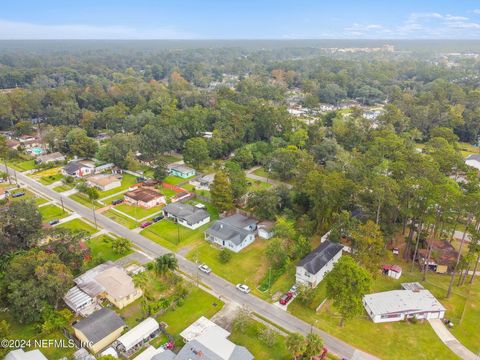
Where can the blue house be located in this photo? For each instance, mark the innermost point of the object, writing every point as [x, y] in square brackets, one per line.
[181, 171]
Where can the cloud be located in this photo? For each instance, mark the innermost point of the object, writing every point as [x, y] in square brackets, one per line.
[476, 11]
[11, 30]
[431, 25]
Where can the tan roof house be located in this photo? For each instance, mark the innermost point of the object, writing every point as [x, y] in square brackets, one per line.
[145, 197]
[109, 281]
[99, 329]
[105, 182]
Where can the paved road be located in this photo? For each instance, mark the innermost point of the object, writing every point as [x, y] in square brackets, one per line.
[222, 287]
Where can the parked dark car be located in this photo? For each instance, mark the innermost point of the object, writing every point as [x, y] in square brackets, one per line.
[286, 298]
[117, 202]
[141, 179]
[53, 222]
[145, 224]
[158, 218]
[18, 194]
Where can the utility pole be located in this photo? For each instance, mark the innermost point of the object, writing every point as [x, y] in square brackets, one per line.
[15, 174]
[94, 215]
[6, 170]
[63, 207]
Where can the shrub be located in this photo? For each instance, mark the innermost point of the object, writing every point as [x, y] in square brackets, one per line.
[224, 256]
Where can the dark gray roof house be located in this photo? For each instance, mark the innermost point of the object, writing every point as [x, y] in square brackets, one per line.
[99, 325]
[235, 232]
[319, 257]
[186, 214]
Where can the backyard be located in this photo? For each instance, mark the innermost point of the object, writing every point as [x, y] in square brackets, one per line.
[127, 181]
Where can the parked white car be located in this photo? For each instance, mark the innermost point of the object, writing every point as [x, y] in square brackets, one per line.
[204, 268]
[243, 288]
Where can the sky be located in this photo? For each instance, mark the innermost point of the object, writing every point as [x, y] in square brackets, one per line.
[240, 19]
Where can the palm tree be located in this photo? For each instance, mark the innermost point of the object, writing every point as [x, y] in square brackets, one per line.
[296, 344]
[314, 345]
[165, 263]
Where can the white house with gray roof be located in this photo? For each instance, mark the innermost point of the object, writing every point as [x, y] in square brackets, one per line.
[312, 268]
[234, 232]
[186, 215]
[209, 344]
[396, 305]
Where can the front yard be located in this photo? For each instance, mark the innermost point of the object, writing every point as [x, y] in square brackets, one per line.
[121, 219]
[78, 224]
[138, 212]
[52, 212]
[101, 249]
[174, 236]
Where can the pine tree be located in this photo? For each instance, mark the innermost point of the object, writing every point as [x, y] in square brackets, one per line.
[221, 192]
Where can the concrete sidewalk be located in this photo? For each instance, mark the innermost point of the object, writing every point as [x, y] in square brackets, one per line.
[451, 341]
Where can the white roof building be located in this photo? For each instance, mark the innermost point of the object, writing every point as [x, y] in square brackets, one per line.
[20, 354]
[397, 305]
[149, 353]
[199, 327]
[138, 334]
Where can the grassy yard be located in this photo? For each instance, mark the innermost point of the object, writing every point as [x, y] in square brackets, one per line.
[137, 212]
[84, 200]
[174, 180]
[198, 303]
[127, 181]
[78, 224]
[40, 201]
[22, 165]
[419, 341]
[249, 338]
[51, 212]
[121, 219]
[262, 172]
[173, 236]
[62, 188]
[50, 179]
[100, 248]
[249, 266]
[256, 185]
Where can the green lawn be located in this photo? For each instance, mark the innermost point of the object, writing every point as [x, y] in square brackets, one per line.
[174, 180]
[137, 212]
[168, 192]
[419, 341]
[62, 188]
[198, 303]
[40, 201]
[262, 172]
[100, 248]
[249, 338]
[50, 179]
[174, 236]
[22, 165]
[127, 181]
[121, 219]
[84, 200]
[256, 185]
[248, 266]
[78, 224]
[52, 212]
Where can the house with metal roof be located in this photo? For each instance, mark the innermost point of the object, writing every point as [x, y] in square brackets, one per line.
[135, 338]
[145, 197]
[312, 268]
[79, 168]
[21, 354]
[181, 170]
[210, 344]
[105, 182]
[186, 215]
[99, 329]
[49, 158]
[396, 305]
[234, 232]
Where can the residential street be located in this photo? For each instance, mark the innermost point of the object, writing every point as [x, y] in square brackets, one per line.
[220, 286]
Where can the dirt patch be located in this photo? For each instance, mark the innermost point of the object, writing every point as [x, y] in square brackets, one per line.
[225, 317]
